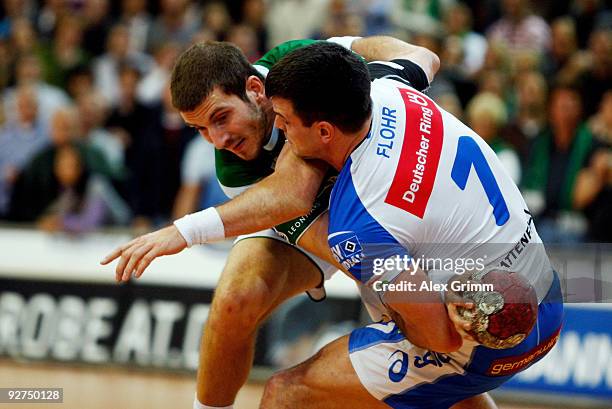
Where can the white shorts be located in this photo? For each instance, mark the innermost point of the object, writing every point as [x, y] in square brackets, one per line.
[405, 376]
[327, 270]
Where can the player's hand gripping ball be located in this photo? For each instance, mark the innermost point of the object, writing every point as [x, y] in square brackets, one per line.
[501, 318]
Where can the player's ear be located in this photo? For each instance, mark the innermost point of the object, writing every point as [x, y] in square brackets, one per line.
[256, 86]
[326, 131]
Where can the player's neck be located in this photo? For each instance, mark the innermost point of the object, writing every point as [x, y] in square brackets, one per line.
[349, 142]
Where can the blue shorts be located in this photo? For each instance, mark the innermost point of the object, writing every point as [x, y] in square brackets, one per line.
[405, 376]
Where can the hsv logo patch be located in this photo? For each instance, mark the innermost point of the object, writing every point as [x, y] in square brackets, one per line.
[346, 248]
[420, 155]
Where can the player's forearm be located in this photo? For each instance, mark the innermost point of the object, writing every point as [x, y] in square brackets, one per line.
[384, 48]
[422, 315]
[286, 194]
[268, 203]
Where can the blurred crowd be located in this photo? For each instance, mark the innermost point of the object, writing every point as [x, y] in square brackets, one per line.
[89, 137]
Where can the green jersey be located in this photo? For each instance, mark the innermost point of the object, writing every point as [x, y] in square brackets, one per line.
[235, 175]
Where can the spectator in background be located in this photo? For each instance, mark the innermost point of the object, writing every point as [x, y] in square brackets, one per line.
[529, 118]
[593, 191]
[216, 19]
[97, 23]
[174, 24]
[341, 20]
[49, 97]
[175, 138]
[595, 67]
[254, 14]
[556, 158]
[586, 13]
[202, 35]
[245, 38]
[199, 187]
[473, 46]
[151, 86]
[494, 82]
[291, 19]
[20, 139]
[64, 53]
[420, 16]
[84, 200]
[22, 40]
[13, 11]
[135, 17]
[106, 67]
[563, 47]
[93, 112]
[449, 102]
[6, 70]
[49, 15]
[520, 30]
[139, 126]
[23, 37]
[79, 81]
[600, 124]
[377, 15]
[487, 115]
[36, 187]
[593, 195]
[496, 58]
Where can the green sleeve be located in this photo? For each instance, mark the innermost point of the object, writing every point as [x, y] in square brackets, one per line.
[274, 55]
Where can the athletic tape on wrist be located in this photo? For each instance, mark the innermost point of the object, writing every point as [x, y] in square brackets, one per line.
[346, 41]
[201, 227]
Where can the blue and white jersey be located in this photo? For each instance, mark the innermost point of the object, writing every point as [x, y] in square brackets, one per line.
[424, 185]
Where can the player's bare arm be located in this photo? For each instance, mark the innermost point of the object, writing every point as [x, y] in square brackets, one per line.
[422, 316]
[385, 48]
[287, 193]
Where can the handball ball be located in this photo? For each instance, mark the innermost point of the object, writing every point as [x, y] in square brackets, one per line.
[501, 318]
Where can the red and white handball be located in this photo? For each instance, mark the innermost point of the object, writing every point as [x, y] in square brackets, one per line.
[505, 313]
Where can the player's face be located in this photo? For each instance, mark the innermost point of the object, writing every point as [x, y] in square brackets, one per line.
[230, 123]
[302, 139]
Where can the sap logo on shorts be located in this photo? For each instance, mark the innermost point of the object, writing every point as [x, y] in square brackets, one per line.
[513, 364]
[346, 248]
[420, 154]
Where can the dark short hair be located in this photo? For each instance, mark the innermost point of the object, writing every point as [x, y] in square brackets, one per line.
[325, 82]
[204, 66]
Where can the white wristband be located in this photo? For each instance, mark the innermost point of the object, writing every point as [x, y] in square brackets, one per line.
[201, 227]
[346, 41]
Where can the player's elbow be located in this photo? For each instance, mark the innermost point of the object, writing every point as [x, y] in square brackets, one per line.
[433, 63]
[302, 201]
[301, 205]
